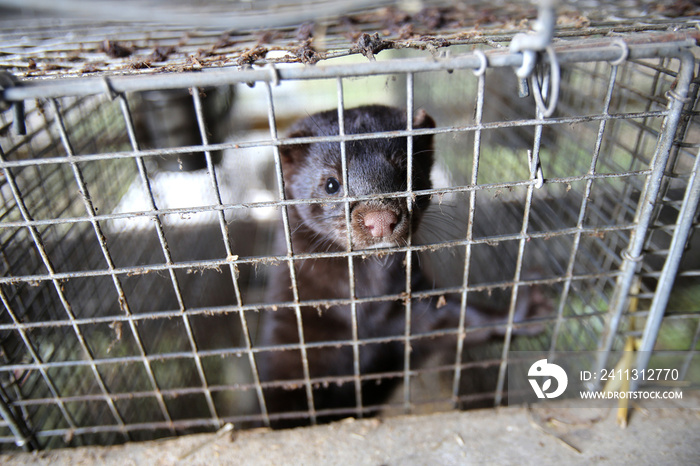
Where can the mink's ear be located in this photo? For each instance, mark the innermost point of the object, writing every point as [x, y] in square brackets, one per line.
[423, 145]
[292, 155]
[423, 120]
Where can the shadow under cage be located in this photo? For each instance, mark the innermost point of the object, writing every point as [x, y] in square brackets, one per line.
[137, 242]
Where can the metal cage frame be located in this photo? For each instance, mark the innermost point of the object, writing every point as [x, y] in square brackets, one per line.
[616, 52]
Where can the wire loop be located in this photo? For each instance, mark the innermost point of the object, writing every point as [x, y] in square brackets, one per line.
[536, 169]
[625, 52]
[627, 256]
[672, 94]
[484, 63]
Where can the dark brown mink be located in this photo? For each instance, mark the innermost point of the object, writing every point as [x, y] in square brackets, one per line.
[375, 166]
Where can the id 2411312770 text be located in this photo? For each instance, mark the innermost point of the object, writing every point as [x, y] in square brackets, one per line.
[631, 374]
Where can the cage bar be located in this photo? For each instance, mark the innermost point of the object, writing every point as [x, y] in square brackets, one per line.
[80, 258]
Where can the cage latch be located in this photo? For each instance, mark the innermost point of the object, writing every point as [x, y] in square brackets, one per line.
[530, 45]
[537, 41]
[8, 80]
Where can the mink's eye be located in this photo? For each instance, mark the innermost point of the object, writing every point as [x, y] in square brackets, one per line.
[332, 186]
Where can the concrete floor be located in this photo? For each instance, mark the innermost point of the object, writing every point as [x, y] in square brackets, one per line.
[540, 435]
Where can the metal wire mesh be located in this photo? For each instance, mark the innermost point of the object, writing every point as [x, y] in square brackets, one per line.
[133, 291]
[145, 38]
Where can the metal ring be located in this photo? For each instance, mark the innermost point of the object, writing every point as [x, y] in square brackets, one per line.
[625, 52]
[554, 72]
[484, 63]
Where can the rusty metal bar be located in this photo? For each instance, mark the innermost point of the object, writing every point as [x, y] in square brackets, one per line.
[604, 50]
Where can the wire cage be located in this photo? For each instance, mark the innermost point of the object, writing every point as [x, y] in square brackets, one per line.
[143, 193]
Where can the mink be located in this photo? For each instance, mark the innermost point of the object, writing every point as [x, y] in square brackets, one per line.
[375, 167]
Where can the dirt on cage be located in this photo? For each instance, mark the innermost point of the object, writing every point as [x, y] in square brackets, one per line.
[231, 34]
[140, 214]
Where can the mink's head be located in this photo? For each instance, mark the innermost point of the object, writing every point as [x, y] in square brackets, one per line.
[376, 167]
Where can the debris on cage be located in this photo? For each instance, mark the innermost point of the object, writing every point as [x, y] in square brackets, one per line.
[144, 187]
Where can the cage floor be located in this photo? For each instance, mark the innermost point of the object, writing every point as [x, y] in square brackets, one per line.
[540, 435]
[133, 291]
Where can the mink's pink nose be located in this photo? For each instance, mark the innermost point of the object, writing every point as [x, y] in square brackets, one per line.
[380, 223]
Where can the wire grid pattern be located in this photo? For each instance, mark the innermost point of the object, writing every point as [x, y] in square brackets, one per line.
[102, 41]
[106, 337]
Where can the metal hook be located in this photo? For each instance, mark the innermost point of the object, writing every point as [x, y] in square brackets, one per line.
[445, 55]
[248, 66]
[528, 66]
[555, 78]
[625, 52]
[484, 63]
[274, 73]
[531, 43]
